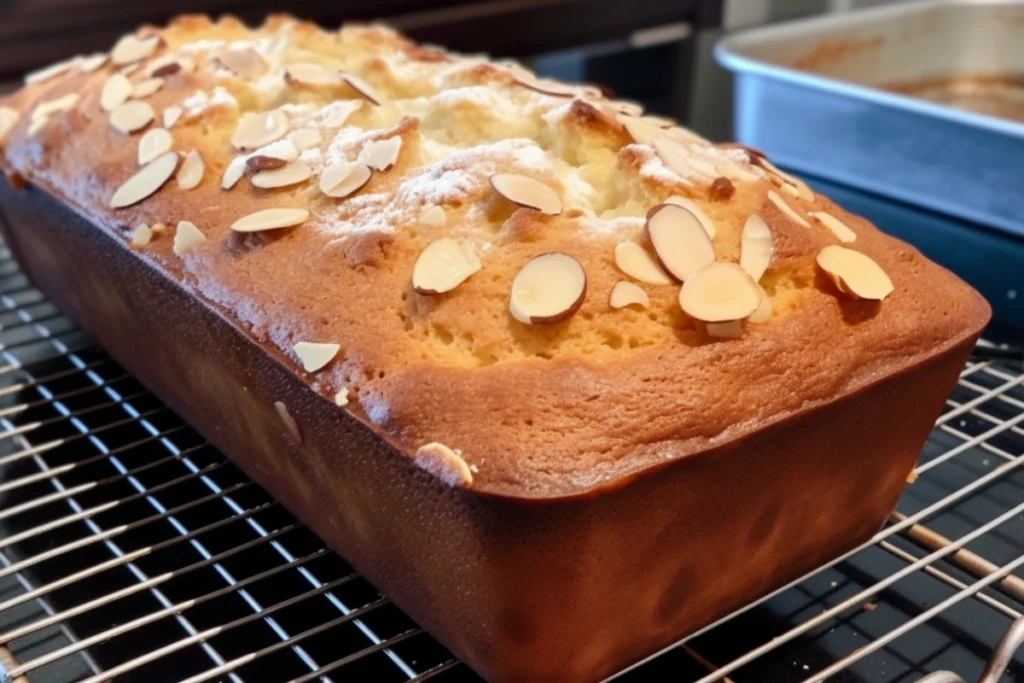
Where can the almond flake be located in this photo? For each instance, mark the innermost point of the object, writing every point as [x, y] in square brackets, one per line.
[187, 237]
[153, 143]
[549, 289]
[733, 171]
[93, 62]
[305, 138]
[634, 261]
[130, 49]
[142, 235]
[132, 116]
[270, 219]
[146, 181]
[836, 226]
[343, 178]
[274, 155]
[434, 217]
[444, 464]
[191, 172]
[755, 247]
[233, 173]
[116, 91]
[764, 310]
[855, 273]
[256, 130]
[290, 174]
[627, 294]
[171, 115]
[312, 74]
[732, 329]
[52, 71]
[8, 120]
[790, 183]
[315, 356]
[380, 154]
[720, 292]
[362, 87]
[340, 111]
[244, 62]
[677, 157]
[59, 105]
[680, 242]
[659, 121]
[687, 137]
[145, 88]
[341, 398]
[694, 208]
[642, 132]
[546, 86]
[443, 266]
[166, 66]
[290, 425]
[527, 192]
[782, 206]
[37, 123]
[626, 107]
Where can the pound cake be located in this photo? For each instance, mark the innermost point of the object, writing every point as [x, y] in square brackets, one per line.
[564, 380]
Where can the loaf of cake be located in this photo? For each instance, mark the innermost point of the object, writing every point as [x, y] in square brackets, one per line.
[563, 379]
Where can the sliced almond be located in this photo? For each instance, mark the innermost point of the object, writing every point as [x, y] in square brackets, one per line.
[171, 115]
[142, 235]
[627, 294]
[790, 183]
[52, 71]
[678, 158]
[93, 62]
[61, 104]
[764, 310]
[8, 120]
[130, 49]
[442, 266]
[343, 178]
[546, 86]
[292, 174]
[855, 273]
[116, 91]
[527, 192]
[364, 89]
[338, 112]
[782, 206]
[233, 173]
[304, 138]
[720, 292]
[166, 66]
[314, 356]
[312, 74]
[290, 425]
[445, 464]
[733, 329]
[694, 208]
[153, 143]
[187, 237]
[37, 124]
[341, 398]
[434, 217]
[145, 88]
[270, 219]
[836, 226]
[642, 132]
[274, 155]
[256, 130]
[132, 116]
[380, 154]
[244, 62]
[733, 171]
[755, 247]
[191, 172]
[549, 289]
[146, 181]
[702, 166]
[627, 107]
[636, 262]
[680, 241]
[659, 121]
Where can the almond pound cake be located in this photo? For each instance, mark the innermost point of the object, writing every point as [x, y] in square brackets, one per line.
[566, 381]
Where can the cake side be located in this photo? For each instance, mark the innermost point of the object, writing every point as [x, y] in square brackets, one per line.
[531, 410]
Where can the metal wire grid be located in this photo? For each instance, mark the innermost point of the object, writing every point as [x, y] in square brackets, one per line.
[130, 549]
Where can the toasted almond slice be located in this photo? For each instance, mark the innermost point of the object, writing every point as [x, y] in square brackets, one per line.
[191, 172]
[764, 310]
[642, 132]
[304, 138]
[733, 329]
[545, 86]
[37, 124]
[165, 66]
[634, 261]
[380, 154]
[838, 228]
[627, 294]
[55, 106]
[128, 70]
[445, 464]
[720, 292]
[755, 247]
[627, 107]
[785, 208]
[116, 91]
[130, 49]
[340, 111]
[442, 266]
[702, 166]
[435, 217]
[132, 116]
[256, 130]
[187, 237]
[145, 88]
[549, 289]
[146, 181]
[680, 241]
[153, 143]
[234, 172]
[312, 74]
[292, 174]
[790, 183]
[341, 398]
[290, 425]
[660, 121]
[92, 62]
[171, 115]
[364, 89]
[314, 356]
[855, 273]
[141, 235]
[675, 156]
[52, 71]
[527, 192]
[733, 171]
[343, 179]
[694, 208]
[270, 219]
[244, 62]
[8, 120]
[274, 155]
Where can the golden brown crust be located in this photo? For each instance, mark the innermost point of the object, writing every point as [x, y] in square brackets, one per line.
[537, 410]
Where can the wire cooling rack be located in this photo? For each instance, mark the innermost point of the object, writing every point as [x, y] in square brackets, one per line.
[130, 549]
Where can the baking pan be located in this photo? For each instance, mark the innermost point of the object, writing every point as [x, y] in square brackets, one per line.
[811, 94]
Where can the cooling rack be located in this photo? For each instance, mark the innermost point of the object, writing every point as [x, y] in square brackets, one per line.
[130, 549]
